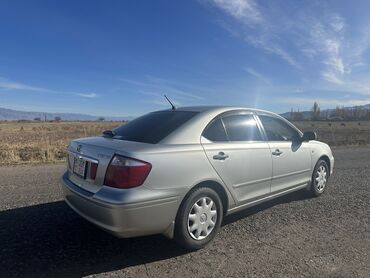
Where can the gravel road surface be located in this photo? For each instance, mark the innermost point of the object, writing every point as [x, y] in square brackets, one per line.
[292, 236]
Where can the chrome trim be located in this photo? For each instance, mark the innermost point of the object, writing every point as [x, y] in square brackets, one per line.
[89, 159]
[274, 177]
[250, 182]
[266, 198]
[291, 174]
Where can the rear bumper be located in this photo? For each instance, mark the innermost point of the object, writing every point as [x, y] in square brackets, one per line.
[134, 218]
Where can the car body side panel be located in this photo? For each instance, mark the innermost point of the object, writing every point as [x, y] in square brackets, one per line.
[175, 167]
[179, 168]
[292, 167]
[247, 171]
[319, 149]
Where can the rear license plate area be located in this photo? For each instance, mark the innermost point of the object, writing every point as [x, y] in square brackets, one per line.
[79, 167]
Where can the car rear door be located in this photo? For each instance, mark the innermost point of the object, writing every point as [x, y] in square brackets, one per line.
[291, 159]
[235, 147]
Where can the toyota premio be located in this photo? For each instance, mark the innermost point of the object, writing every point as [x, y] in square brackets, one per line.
[178, 172]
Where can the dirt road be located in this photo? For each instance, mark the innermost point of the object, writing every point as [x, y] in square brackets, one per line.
[291, 236]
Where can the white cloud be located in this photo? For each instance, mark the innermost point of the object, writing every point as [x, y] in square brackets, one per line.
[264, 35]
[265, 42]
[257, 75]
[87, 95]
[299, 90]
[12, 85]
[326, 39]
[332, 77]
[162, 86]
[317, 41]
[7, 84]
[331, 43]
[337, 23]
[244, 10]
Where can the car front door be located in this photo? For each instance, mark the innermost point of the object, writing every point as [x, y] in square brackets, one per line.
[235, 147]
[291, 158]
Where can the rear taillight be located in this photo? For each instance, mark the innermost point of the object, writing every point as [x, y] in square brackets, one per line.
[125, 172]
[69, 161]
[93, 170]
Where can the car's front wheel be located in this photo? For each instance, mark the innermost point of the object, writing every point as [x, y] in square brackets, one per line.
[199, 218]
[320, 178]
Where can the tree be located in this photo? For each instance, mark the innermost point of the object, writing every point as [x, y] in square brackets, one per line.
[298, 116]
[101, 119]
[342, 113]
[57, 119]
[315, 112]
[358, 113]
[37, 119]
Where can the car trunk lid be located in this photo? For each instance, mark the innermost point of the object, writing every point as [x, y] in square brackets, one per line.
[88, 159]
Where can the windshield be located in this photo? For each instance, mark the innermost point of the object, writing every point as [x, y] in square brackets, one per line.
[153, 127]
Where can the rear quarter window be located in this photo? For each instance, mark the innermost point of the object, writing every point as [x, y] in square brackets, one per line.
[215, 132]
[153, 127]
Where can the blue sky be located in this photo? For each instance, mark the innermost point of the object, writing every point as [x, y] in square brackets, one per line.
[119, 57]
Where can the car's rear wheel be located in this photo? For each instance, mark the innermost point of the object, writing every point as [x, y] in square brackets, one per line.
[320, 178]
[199, 218]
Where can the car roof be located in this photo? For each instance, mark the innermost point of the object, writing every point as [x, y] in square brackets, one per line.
[191, 131]
[221, 109]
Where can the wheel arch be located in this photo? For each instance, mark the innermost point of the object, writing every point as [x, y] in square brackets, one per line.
[327, 160]
[220, 190]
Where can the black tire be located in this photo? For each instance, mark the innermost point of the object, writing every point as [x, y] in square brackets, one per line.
[315, 187]
[182, 234]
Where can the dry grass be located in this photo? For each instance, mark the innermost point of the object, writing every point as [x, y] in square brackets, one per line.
[339, 133]
[43, 142]
[47, 142]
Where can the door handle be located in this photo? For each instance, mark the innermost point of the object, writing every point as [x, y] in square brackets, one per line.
[277, 152]
[220, 156]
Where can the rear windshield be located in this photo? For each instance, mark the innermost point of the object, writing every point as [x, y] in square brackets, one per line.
[153, 127]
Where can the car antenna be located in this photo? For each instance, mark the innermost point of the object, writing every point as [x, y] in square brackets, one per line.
[173, 106]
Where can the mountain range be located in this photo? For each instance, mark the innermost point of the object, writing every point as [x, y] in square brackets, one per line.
[14, 115]
[326, 113]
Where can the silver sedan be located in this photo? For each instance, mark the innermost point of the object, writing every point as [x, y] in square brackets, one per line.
[179, 172]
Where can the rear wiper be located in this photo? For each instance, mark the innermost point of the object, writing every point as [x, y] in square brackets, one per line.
[108, 133]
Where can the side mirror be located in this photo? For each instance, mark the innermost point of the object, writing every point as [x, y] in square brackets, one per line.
[309, 135]
[297, 138]
[108, 133]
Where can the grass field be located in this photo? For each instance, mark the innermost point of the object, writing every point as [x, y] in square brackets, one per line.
[33, 142]
[43, 142]
[339, 133]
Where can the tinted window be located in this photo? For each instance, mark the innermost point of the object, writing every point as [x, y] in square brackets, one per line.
[215, 132]
[241, 127]
[153, 127]
[277, 130]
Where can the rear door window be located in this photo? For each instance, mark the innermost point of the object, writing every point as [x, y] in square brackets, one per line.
[241, 127]
[153, 127]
